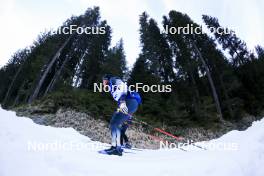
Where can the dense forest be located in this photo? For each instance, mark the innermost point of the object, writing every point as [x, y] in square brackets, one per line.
[214, 77]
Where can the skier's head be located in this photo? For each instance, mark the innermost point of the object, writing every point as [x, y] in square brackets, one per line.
[106, 79]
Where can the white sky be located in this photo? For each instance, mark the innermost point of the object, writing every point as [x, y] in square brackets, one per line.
[22, 20]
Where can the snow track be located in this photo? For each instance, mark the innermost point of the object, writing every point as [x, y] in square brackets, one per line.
[28, 149]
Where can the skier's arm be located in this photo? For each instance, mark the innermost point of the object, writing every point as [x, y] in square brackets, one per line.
[122, 100]
[119, 93]
[119, 90]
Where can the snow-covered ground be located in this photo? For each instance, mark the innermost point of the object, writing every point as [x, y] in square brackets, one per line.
[28, 149]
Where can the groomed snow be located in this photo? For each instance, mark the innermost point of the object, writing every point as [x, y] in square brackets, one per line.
[28, 149]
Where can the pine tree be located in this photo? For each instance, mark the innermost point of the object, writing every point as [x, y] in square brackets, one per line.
[190, 57]
[115, 62]
[18, 60]
[228, 39]
[186, 65]
[260, 52]
[155, 49]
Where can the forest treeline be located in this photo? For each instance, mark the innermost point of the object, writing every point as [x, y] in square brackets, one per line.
[214, 77]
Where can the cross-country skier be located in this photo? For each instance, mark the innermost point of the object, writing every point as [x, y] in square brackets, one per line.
[128, 103]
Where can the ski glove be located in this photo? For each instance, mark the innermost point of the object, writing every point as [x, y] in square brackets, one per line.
[123, 107]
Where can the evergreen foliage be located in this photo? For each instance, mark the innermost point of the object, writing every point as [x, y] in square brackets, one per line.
[208, 86]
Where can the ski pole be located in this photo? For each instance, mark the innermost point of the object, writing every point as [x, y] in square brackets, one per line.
[168, 134]
[161, 131]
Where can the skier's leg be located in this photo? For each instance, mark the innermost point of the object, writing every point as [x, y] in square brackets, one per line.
[125, 138]
[122, 137]
[116, 123]
[117, 120]
[113, 135]
[113, 128]
[132, 105]
[122, 119]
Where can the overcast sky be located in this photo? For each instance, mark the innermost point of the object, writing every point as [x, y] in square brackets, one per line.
[22, 20]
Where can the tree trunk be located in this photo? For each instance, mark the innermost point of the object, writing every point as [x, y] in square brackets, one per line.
[215, 96]
[226, 96]
[12, 84]
[56, 76]
[79, 67]
[43, 77]
[18, 94]
[196, 97]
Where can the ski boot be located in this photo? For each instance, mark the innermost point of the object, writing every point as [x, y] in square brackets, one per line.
[127, 146]
[115, 151]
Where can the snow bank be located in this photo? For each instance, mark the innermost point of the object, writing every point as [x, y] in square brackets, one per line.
[28, 149]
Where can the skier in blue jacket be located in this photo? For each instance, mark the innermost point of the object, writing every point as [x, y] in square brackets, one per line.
[128, 103]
